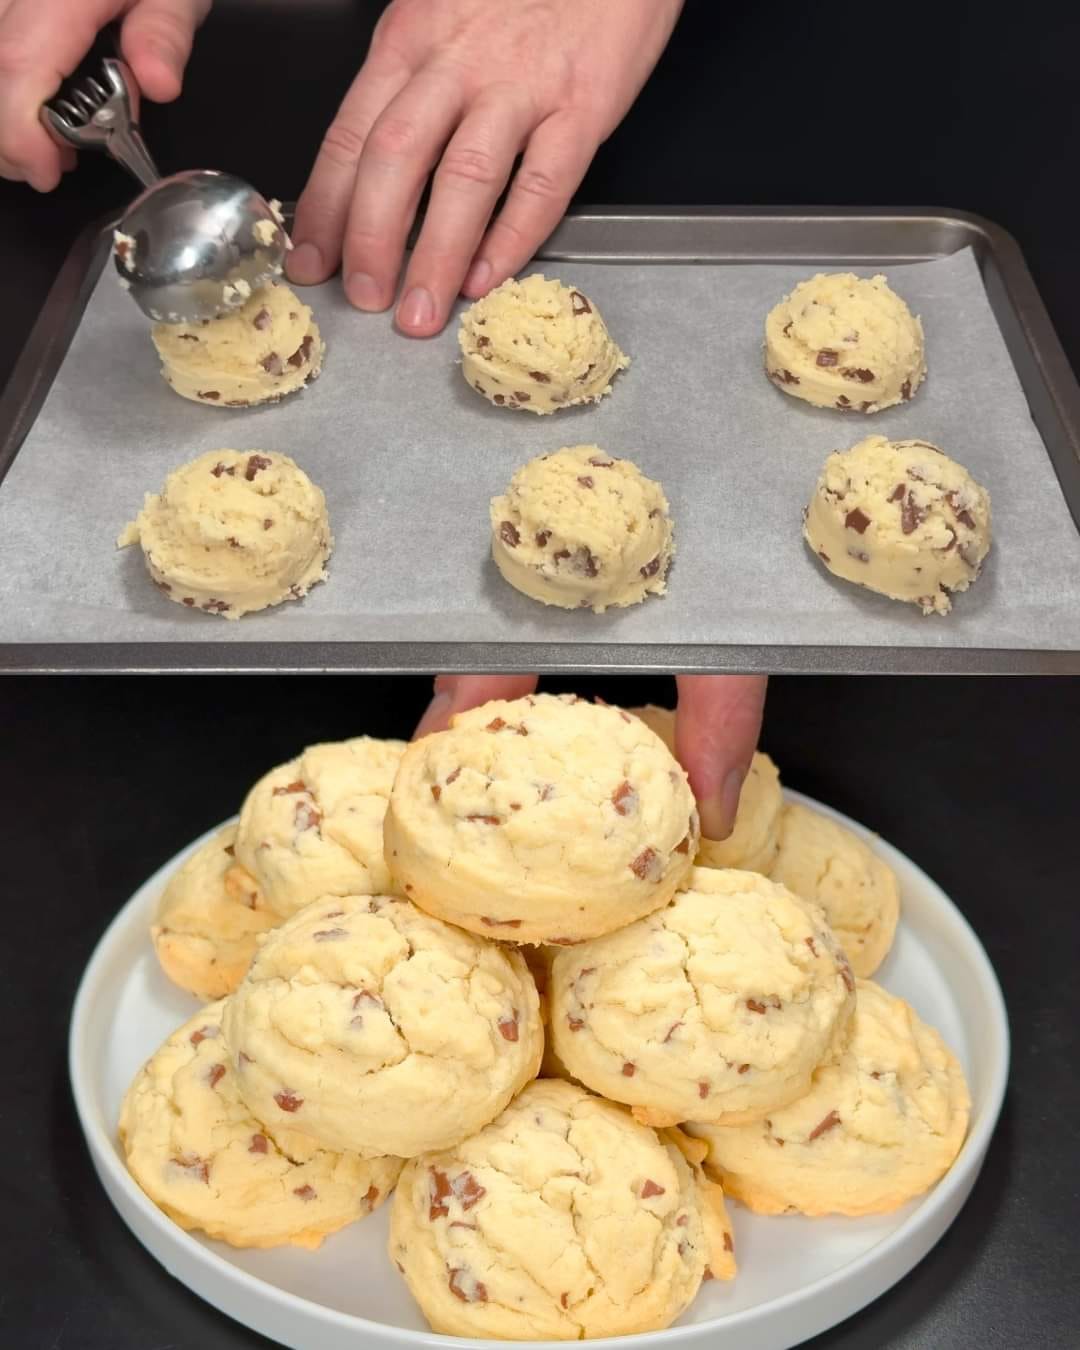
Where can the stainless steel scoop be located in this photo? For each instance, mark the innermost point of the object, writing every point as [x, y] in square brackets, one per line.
[191, 246]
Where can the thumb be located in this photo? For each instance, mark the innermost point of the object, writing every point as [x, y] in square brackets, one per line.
[156, 42]
[457, 693]
[717, 725]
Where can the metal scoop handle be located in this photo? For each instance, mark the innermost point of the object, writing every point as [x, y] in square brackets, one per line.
[103, 115]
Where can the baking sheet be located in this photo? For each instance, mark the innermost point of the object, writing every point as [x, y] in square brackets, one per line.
[408, 457]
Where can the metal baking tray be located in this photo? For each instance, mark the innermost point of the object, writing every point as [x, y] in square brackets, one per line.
[829, 238]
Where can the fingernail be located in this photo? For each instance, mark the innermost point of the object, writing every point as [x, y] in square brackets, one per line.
[434, 719]
[168, 56]
[718, 812]
[305, 265]
[479, 277]
[417, 310]
[364, 292]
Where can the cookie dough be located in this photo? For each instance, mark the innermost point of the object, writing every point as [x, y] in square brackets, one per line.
[545, 819]
[200, 1156]
[564, 1219]
[314, 826]
[539, 345]
[718, 1007]
[233, 532]
[846, 342]
[582, 530]
[900, 518]
[269, 347]
[754, 839]
[878, 1127]
[367, 1024]
[824, 862]
[208, 920]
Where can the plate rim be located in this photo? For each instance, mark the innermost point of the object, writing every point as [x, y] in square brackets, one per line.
[958, 1181]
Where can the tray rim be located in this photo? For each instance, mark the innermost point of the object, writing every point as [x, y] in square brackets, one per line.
[1041, 353]
[936, 1207]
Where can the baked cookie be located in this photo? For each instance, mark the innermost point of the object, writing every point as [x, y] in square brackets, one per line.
[545, 819]
[363, 1021]
[718, 1007]
[197, 1152]
[900, 518]
[539, 345]
[208, 920]
[234, 531]
[846, 342]
[563, 1219]
[314, 826]
[582, 530]
[879, 1126]
[824, 862]
[266, 348]
[754, 839]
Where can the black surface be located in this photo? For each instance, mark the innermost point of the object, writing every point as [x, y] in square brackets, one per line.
[936, 104]
[105, 779]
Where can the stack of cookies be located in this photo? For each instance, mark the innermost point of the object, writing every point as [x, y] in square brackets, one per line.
[401, 938]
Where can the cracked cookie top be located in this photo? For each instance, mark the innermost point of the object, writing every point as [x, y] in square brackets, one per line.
[822, 861]
[372, 1027]
[563, 1218]
[878, 1126]
[718, 1007]
[200, 1155]
[544, 819]
[313, 826]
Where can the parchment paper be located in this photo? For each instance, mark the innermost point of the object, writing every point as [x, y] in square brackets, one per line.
[408, 457]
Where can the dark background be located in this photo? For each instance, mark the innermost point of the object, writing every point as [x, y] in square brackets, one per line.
[930, 104]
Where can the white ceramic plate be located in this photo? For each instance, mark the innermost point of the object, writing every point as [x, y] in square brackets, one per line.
[797, 1276]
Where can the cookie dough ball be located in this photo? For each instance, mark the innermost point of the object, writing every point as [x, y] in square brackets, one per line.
[364, 1022]
[199, 1154]
[582, 530]
[545, 819]
[842, 341]
[208, 920]
[754, 839]
[314, 826]
[234, 531]
[564, 1219]
[537, 344]
[823, 862]
[900, 518]
[878, 1127]
[269, 347]
[718, 1007]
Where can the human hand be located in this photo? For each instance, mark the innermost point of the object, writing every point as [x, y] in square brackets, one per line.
[467, 85]
[717, 724]
[43, 41]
